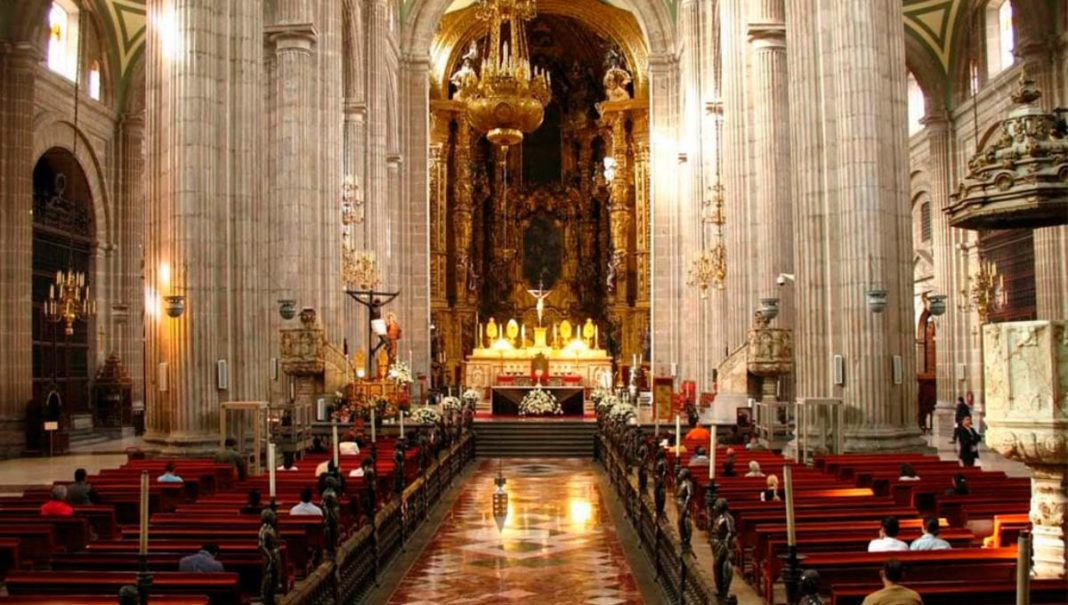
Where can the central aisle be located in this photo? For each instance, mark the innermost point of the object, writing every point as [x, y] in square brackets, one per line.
[558, 544]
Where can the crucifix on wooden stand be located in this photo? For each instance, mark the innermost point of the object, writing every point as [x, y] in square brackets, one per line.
[374, 301]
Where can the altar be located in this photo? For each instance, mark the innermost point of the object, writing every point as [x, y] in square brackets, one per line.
[505, 399]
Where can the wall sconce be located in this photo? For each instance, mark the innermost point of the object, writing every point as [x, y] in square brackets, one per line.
[936, 303]
[287, 308]
[877, 300]
[769, 308]
[175, 305]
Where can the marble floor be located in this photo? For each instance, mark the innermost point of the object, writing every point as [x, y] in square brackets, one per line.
[557, 543]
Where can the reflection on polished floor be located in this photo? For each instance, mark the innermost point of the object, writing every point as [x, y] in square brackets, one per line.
[557, 545]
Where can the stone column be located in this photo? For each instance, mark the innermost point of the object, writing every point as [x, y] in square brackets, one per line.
[200, 241]
[1027, 420]
[463, 214]
[772, 198]
[354, 110]
[328, 142]
[854, 231]
[131, 234]
[18, 62]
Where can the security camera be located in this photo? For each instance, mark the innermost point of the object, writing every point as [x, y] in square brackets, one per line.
[783, 278]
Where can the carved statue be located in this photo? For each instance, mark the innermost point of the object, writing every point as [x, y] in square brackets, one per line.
[465, 79]
[724, 535]
[660, 473]
[616, 78]
[370, 490]
[615, 268]
[683, 496]
[643, 463]
[810, 588]
[269, 553]
[393, 334]
[331, 512]
[398, 467]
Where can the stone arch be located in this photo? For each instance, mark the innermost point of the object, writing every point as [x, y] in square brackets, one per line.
[929, 75]
[49, 133]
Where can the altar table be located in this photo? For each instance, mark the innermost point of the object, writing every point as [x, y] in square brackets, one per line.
[505, 399]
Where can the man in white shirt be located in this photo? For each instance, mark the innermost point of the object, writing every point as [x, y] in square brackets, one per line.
[887, 540]
[306, 507]
[930, 540]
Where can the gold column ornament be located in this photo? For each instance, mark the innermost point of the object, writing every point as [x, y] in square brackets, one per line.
[709, 266]
[359, 269]
[983, 291]
[69, 300]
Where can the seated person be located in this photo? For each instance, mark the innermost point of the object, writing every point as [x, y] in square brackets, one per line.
[254, 504]
[229, 455]
[887, 540]
[360, 472]
[754, 444]
[907, 473]
[771, 494]
[56, 506]
[960, 486]
[696, 435]
[323, 467]
[349, 447]
[317, 446]
[930, 540]
[892, 592]
[728, 464]
[305, 507]
[169, 475]
[202, 561]
[754, 469]
[80, 492]
[670, 444]
[699, 458]
[287, 463]
[331, 471]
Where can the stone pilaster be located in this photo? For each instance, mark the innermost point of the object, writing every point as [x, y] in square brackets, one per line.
[851, 162]
[772, 203]
[328, 122]
[128, 339]
[410, 231]
[691, 184]
[17, 65]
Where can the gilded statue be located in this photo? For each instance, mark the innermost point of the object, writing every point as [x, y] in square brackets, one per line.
[616, 78]
[466, 78]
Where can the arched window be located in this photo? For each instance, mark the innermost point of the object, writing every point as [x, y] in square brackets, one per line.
[94, 81]
[916, 105]
[63, 38]
[925, 222]
[1000, 38]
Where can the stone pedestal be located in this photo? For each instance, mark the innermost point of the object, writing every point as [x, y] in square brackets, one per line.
[1026, 378]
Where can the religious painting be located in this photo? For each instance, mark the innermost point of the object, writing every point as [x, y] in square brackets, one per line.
[542, 252]
[663, 391]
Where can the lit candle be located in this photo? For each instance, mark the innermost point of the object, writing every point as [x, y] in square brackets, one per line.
[372, 424]
[791, 531]
[711, 451]
[51, 291]
[270, 470]
[333, 431]
[292, 389]
[523, 337]
[656, 421]
[596, 337]
[143, 536]
[402, 424]
[678, 438]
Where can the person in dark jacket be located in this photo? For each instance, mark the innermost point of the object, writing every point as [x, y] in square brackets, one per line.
[968, 440]
[202, 561]
[254, 504]
[80, 492]
[963, 409]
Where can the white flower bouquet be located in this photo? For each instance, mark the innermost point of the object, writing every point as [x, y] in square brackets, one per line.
[451, 404]
[621, 412]
[606, 403]
[400, 373]
[598, 395]
[471, 397]
[537, 402]
[425, 415]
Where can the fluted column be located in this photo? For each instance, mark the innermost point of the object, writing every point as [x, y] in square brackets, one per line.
[17, 65]
[200, 242]
[131, 234]
[439, 196]
[772, 207]
[327, 140]
[853, 235]
[354, 110]
[691, 181]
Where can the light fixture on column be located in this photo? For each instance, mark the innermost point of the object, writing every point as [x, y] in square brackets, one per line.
[175, 305]
[935, 303]
[287, 308]
[983, 291]
[352, 211]
[69, 300]
[709, 266]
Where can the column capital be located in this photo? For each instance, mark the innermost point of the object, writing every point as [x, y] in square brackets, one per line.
[769, 35]
[936, 121]
[296, 36]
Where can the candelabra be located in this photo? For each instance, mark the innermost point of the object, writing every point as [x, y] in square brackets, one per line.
[69, 300]
[709, 266]
[982, 291]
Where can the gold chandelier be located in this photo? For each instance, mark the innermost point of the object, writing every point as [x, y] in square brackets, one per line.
[709, 266]
[509, 97]
[69, 300]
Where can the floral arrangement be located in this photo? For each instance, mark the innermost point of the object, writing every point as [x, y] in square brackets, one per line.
[539, 401]
[598, 395]
[621, 412]
[400, 373]
[451, 404]
[471, 397]
[606, 403]
[425, 415]
[350, 411]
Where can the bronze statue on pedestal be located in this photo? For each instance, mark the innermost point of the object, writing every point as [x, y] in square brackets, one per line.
[271, 559]
[683, 496]
[723, 535]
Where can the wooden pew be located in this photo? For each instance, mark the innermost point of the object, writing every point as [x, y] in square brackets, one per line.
[1043, 592]
[101, 518]
[36, 541]
[71, 533]
[96, 600]
[220, 588]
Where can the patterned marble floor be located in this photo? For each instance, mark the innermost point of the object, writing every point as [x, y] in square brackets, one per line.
[557, 544]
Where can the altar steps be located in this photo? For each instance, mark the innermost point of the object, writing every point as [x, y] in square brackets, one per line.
[534, 439]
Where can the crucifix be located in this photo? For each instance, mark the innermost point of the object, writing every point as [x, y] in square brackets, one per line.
[374, 301]
[540, 295]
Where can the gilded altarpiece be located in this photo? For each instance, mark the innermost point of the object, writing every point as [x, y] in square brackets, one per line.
[570, 214]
